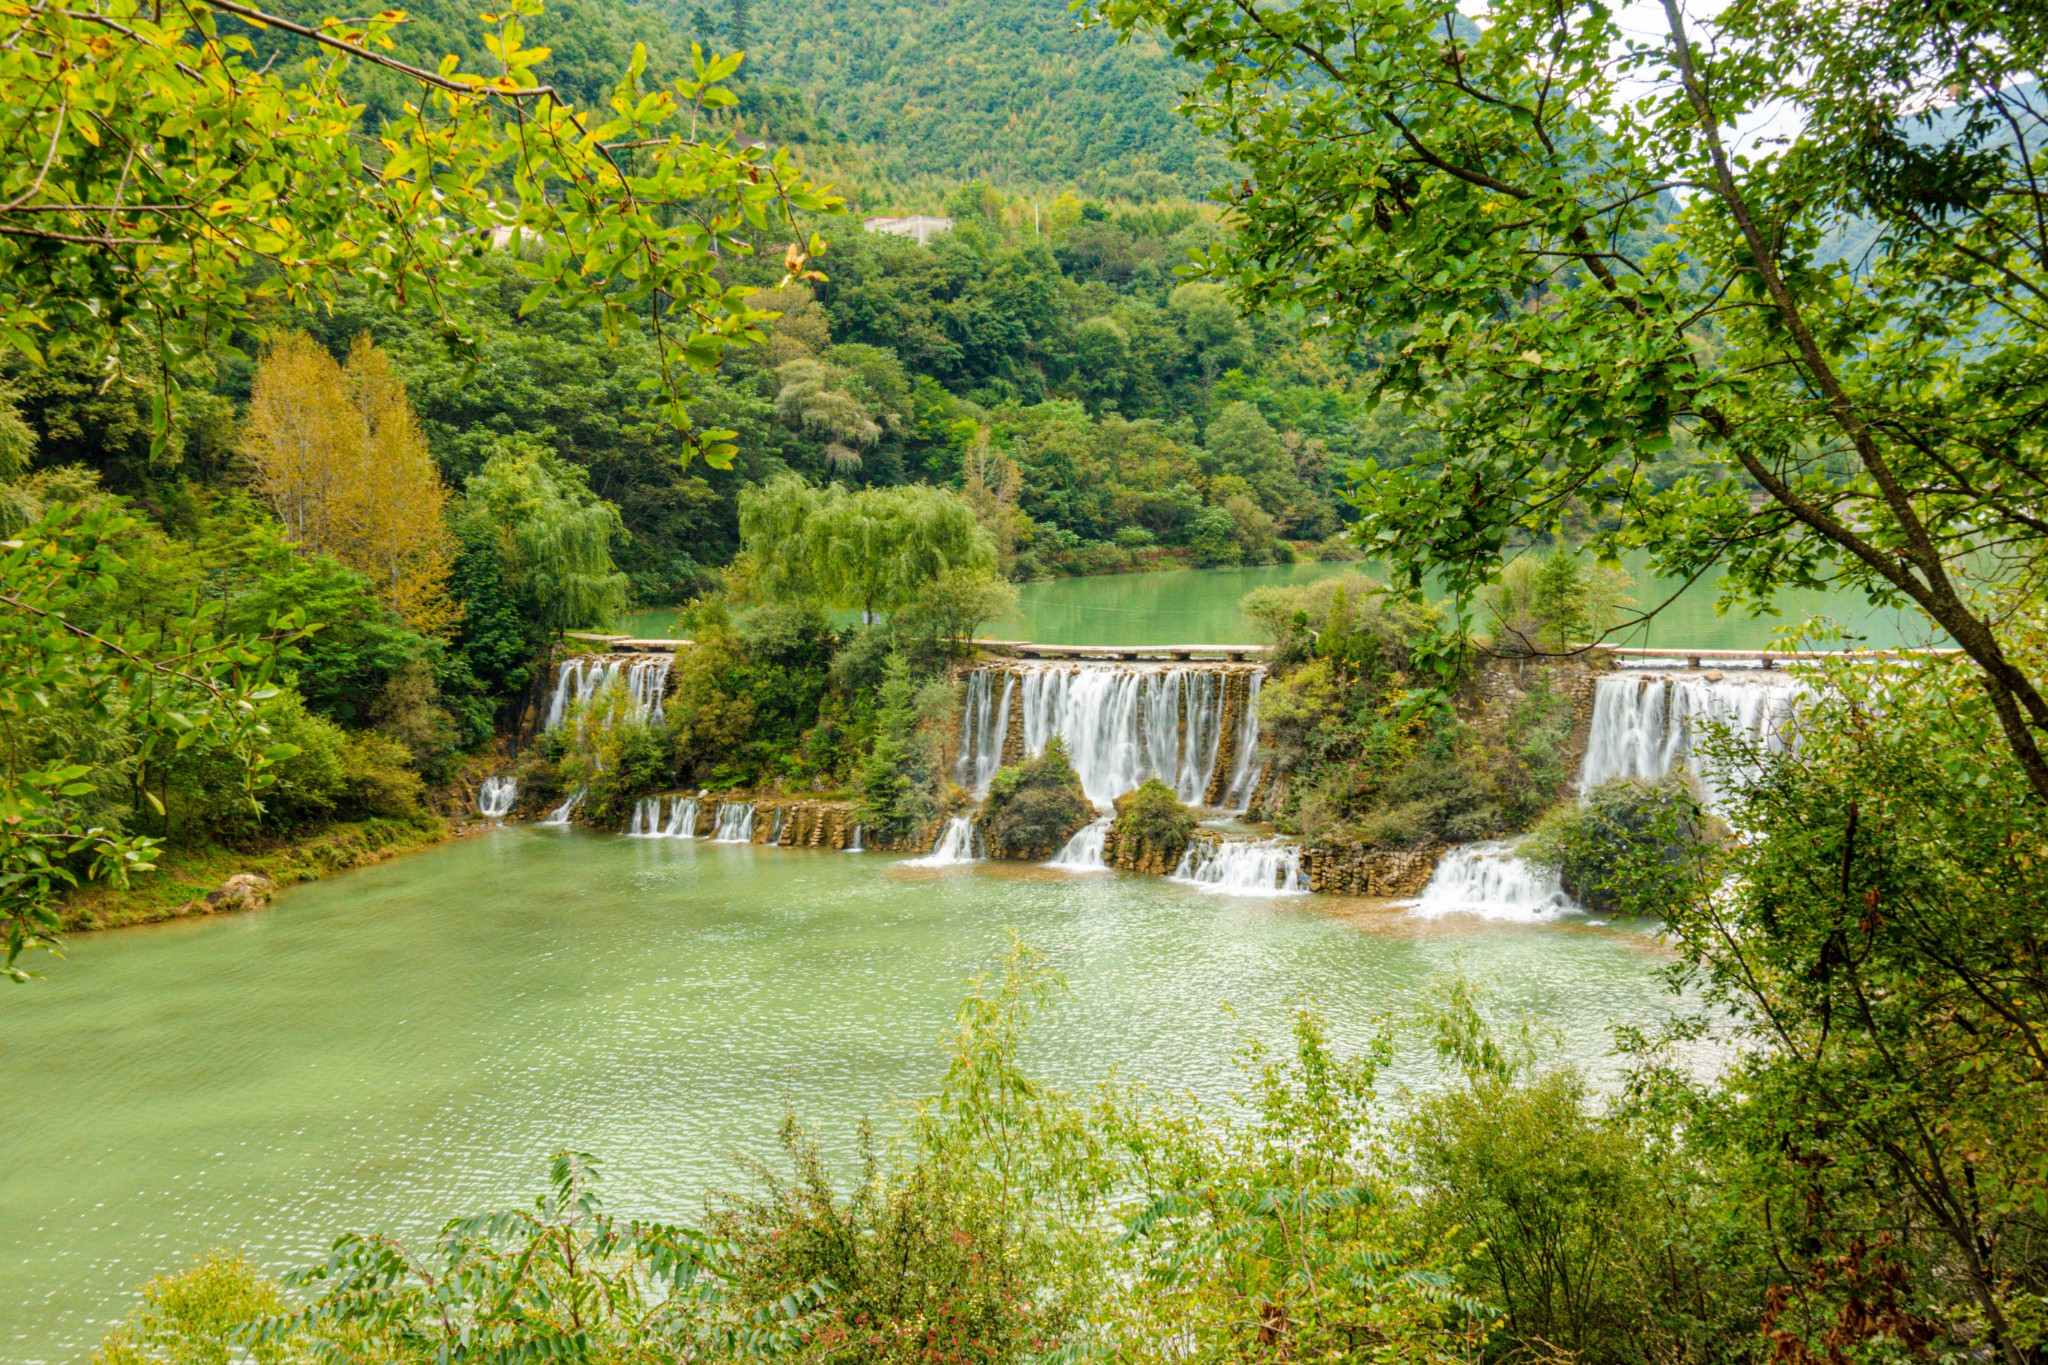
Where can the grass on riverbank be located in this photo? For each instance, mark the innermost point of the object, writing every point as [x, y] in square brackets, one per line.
[184, 875]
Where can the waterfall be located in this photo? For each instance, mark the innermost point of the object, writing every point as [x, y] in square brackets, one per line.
[1648, 727]
[855, 846]
[579, 680]
[682, 818]
[954, 847]
[1083, 852]
[1122, 725]
[983, 725]
[775, 830]
[735, 823]
[1488, 880]
[1243, 867]
[560, 814]
[496, 797]
[646, 819]
[1244, 773]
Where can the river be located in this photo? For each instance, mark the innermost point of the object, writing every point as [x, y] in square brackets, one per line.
[1199, 606]
[399, 1044]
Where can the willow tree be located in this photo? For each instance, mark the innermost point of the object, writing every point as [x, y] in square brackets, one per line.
[555, 537]
[1568, 255]
[871, 550]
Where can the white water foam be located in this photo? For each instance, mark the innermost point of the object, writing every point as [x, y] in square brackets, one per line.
[983, 727]
[1649, 727]
[646, 822]
[1488, 880]
[560, 814]
[855, 846]
[735, 823]
[1243, 867]
[579, 680]
[956, 846]
[496, 796]
[682, 818]
[1121, 724]
[1083, 852]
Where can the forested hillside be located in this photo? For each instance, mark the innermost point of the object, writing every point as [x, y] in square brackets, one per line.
[1005, 90]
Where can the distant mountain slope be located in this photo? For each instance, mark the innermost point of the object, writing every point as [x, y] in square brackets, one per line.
[1003, 90]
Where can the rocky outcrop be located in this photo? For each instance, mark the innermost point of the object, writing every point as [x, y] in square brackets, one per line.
[1360, 870]
[243, 891]
[1135, 854]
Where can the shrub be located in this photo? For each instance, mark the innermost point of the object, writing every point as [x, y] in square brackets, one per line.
[377, 779]
[191, 1318]
[1035, 807]
[1152, 826]
[1613, 850]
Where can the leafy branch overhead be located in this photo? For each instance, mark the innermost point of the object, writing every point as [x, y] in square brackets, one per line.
[1573, 256]
[167, 185]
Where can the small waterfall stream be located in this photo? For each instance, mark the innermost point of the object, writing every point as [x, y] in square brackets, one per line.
[855, 846]
[560, 814]
[1649, 727]
[1488, 880]
[1121, 724]
[983, 727]
[1083, 852]
[646, 822]
[735, 823]
[682, 818]
[1642, 727]
[957, 845]
[1243, 867]
[495, 797]
[585, 677]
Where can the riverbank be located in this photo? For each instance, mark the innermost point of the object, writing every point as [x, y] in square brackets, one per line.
[183, 879]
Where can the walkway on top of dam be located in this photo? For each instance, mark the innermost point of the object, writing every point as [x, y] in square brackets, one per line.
[1675, 657]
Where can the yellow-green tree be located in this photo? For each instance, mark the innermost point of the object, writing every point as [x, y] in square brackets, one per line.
[340, 457]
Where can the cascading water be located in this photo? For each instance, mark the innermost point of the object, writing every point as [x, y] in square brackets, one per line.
[983, 727]
[855, 846]
[1245, 769]
[735, 823]
[1120, 724]
[1650, 727]
[560, 814]
[1243, 867]
[579, 680]
[496, 796]
[682, 818]
[1083, 852]
[1488, 880]
[957, 845]
[646, 823]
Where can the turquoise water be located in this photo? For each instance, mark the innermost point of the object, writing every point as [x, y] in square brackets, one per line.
[395, 1045]
[1199, 606]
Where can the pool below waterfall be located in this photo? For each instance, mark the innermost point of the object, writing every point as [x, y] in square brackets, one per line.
[400, 1044]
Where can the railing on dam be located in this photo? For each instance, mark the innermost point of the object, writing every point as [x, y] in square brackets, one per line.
[1029, 649]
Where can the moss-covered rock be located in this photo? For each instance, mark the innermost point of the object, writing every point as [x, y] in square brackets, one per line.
[1035, 807]
[1151, 829]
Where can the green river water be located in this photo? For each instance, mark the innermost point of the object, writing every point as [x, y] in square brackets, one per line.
[399, 1044]
[1199, 607]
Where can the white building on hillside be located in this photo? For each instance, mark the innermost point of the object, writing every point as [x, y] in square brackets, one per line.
[920, 228]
